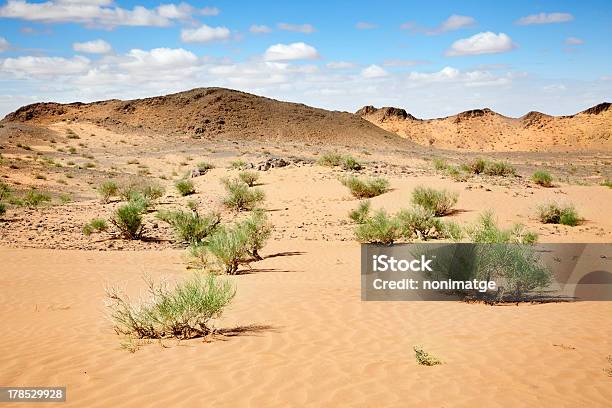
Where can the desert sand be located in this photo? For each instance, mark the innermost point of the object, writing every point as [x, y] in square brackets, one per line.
[297, 333]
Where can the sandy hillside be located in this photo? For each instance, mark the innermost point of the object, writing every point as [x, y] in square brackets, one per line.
[297, 333]
[486, 130]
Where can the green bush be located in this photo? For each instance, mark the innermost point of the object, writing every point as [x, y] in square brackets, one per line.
[128, 218]
[229, 245]
[107, 189]
[238, 164]
[330, 159]
[185, 187]
[542, 178]
[378, 229]
[476, 166]
[182, 312]
[142, 187]
[95, 225]
[5, 191]
[34, 198]
[240, 196]
[189, 226]
[248, 177]
[366, 188]
[203, 167]
[440, 202]
[439, 164]
[607, 183]
[503, 169]
[360, 214]
[486, 231]
[350, 163]
[420, 223]
[153, 191]
[257, 230]
[553, 213]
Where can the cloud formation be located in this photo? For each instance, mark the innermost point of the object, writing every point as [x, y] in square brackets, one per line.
[481, 43]
[288, 52]
[573, 41]
[299, 28]
[4, 44]
[545, 18]
[204, 34]
[93, 47]
[454, 22]
[260, 29]
[374, 71]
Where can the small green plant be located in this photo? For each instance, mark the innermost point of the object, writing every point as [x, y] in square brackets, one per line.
[248, 177]
[424, 358]
[229, 246]
[330, 159]
[486, 231]
[257, 230]
[240, 196]
[476, 166]
[542, 178]
[153, 191]
[34, 198]
[183, 311]
[439, 202]
[350, 163]
[5, 191]
[607, 183]
[203, 167]
[71, 135]
[360, 214]
[439, 164]
[378, 229]
[238, 164]
[553, 213]
[502, 169]
[185, 187]
[421, 223]
[189, 226]
[107, 189]
[95, 225]
[128, 218]
[366, 188]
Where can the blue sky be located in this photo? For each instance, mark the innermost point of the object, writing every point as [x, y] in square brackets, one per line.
[431, 58]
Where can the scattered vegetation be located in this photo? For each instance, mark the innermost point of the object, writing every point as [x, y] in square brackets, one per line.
[439, 164]
[107, 189]
[542, 178]
[607, 183]
[502, 169]
[240, 196]
[140, 187]
[421, 223]
[257, 229]
[366, 188]
[95, 225]
[189, 226]
[553, 213]
[248, 177]
[334, 159]
[439, 202]
[128, 217]
[185, 187]
[183, 311]
[378, 229]
[360, 214]
[486, 231]
[34, 198]
[424, 358]
[238, 164]
[476, 166]
[204, 166]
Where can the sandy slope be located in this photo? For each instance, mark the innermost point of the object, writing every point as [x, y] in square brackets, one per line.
[319, 344]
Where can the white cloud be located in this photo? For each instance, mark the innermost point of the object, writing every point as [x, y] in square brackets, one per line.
[545, 18]
[97, 13]
[205, 34]
[4, 44]
[340, 65]
[260, 29]
[403, 63]
[481, 43]
[24, 67]
[454, 22]
[374, 71]
[210, 11]
[573, 41]
[294, 51]
[171, 58]
[93, 47]
[362, 25]
[300, 28]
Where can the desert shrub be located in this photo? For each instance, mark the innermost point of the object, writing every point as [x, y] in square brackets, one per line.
[107, 189]
[153, 191]
[607, 183]
[128, 218]
[34, 198]
[204, 166]
[350, 163]
[424, 358]
[184, 187]
[366, 188]
[421, 223]
[378, 229]
[330, 159]
[142, 187]
[229, 245]
[542, 178]
[553, 213]
[440, 202]
[5, 191]
[238, 164]
[439, 164]
[476, 166]
[257, 230]
[503, 169]
[2, 209]
[189, 226]
[240, 196]
[360, 214]
[248, 177]
[95, 225]
[183, 311]
[485, 230]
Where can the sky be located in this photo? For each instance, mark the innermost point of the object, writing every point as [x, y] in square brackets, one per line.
[433, 58]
